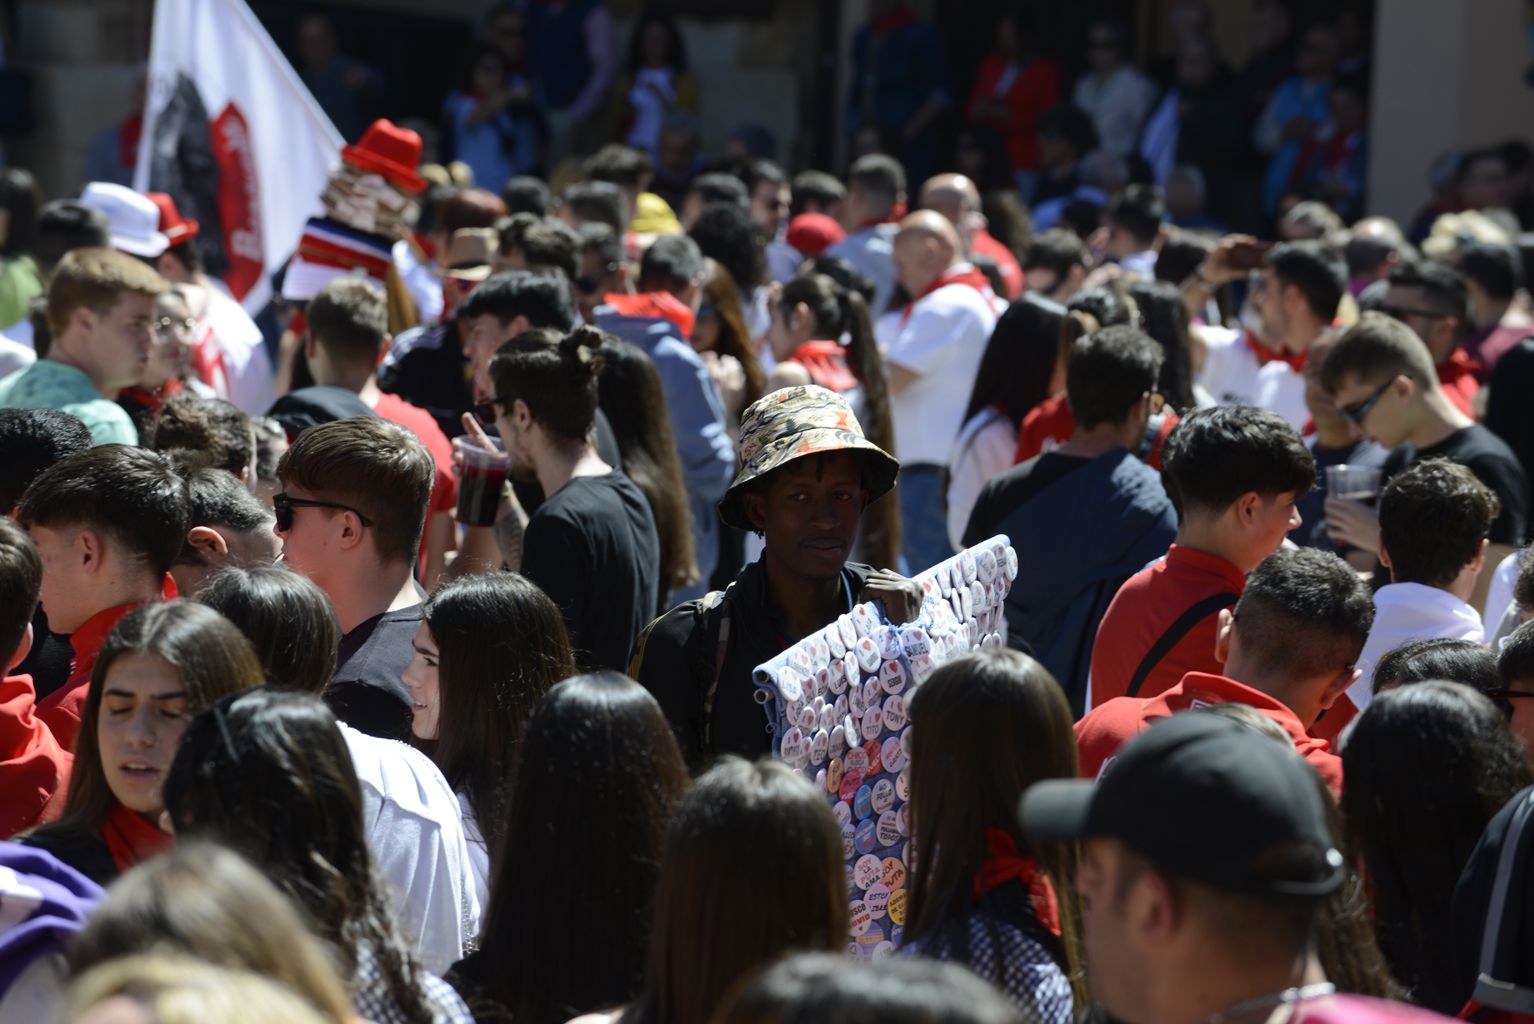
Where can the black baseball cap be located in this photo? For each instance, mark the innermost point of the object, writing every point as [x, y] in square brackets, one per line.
[1202, 798]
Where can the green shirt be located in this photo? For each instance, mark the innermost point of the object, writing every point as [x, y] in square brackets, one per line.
[18, 284]
[50, 385]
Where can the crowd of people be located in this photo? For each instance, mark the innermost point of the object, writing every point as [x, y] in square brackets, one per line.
[387, 655]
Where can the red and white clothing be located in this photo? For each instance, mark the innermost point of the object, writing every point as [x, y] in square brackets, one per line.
[241, 366]
[1402, 612]
[1240, 370]
[941, 336]
[1107, 728]
[985, 244]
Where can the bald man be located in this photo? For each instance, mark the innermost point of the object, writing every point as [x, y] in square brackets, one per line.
[933, 349]
[957, 198]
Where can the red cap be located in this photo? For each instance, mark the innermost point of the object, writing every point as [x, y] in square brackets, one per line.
[390, 150]
[814, 233]
[172, 225]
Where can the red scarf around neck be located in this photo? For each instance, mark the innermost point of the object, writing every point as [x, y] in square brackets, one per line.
[1003, 864]
[963, 273]
[132, 839]
[1266, 355]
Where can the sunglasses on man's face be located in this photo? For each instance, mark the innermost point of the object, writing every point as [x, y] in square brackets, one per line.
[1356, 412]
[485, 410]
[284, 504]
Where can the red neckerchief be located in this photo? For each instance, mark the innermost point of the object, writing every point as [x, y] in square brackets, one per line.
[896, 215]
[657, 305]
[152, 400]
[1004, 864]
[826, 363]
[1459, 364]
[132, 839]
[1266, 355]
[963, 273]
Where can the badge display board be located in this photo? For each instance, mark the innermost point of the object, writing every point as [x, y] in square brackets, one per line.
[836, 708]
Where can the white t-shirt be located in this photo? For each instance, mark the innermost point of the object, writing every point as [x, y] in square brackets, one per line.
[14, 356]
[420, 281]
[1499, 597]
[1410, 611]
[942, 340]
[415, 832]
[1233, 376]
[984, 449]
[479, 850]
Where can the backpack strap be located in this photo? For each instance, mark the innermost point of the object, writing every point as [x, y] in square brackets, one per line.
[715, 599]
[1490, 990]
[1174, 634]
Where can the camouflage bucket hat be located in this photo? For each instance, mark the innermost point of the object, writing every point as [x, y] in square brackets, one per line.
[794, 422]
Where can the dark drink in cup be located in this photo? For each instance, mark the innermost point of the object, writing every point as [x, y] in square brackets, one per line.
[481, 485]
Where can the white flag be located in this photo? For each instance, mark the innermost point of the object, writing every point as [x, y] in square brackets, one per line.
[232, 133]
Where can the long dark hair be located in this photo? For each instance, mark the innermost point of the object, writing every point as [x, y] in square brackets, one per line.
[634, 403]
[20, 197]
[598, 778]
[501, 644]
[720, 290]
[1019, 360]
[841, 310]
[287, 619]
[983, 729]
[268, 774]
[208, 653]
[1165, 319]
[1427, 766]
[678, 60]
[753, 870]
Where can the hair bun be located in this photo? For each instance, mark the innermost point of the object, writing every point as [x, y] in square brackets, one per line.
[584, 346]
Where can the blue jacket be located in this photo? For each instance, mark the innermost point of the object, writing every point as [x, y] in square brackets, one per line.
[1077, 540]
[697, 421]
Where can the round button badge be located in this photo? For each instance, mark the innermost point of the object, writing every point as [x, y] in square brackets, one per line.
[866, 871]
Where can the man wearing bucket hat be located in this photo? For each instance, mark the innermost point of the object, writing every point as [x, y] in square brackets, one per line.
[807, 473]
[1206, 860]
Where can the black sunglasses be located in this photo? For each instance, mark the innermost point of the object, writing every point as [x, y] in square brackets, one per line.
[284, 504]
[1506, 694]
[484, 410]
[1356, 412]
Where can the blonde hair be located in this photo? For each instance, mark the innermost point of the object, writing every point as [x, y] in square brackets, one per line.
[95, 278]
[180, 990]
[206, 901]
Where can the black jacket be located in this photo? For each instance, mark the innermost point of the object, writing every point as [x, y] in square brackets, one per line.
[678, 654]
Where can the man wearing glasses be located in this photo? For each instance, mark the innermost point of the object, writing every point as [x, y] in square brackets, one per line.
[1382, 377]
[1431, 298]
[1515, 665]
[350, 516]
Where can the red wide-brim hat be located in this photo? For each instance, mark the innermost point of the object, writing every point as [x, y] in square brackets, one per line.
[389, 150]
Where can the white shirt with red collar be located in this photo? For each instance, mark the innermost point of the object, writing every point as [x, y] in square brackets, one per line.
[1240, 371]
[941, 336]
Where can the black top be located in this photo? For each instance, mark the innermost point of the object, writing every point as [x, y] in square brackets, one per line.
[678, 658]
[1494, 464]
[49, 660]
[368, 692]
[432, 373]
[87, 853]
[530, 492]
[593, 548]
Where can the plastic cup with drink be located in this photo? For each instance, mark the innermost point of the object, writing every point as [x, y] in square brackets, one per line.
[483, 465]
[1353, 483]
